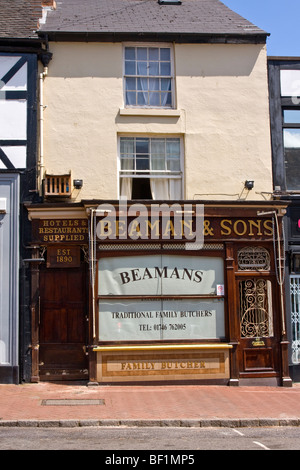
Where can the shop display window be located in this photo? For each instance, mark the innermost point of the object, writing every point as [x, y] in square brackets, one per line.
[160, 297]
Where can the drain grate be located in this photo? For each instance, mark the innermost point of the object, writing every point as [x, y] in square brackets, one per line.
[71, 402]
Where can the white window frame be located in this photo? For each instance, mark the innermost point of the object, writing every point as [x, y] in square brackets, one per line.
[154, 173]
[172, 76]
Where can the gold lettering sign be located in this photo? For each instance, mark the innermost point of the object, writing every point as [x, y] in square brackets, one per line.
[60, 231]
[212, 229]
[63, 256]
[163, 365]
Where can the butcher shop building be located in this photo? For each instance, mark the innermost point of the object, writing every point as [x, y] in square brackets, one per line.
[157, 242]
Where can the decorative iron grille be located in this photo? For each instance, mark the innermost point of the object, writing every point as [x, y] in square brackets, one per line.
[253, 259]
[295, 317]
[256, 308]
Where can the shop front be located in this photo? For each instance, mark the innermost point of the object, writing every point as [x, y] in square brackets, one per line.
[59, 298]
[293, 287]
[157, 293]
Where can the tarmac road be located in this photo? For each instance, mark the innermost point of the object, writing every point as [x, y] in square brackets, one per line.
[173, 441]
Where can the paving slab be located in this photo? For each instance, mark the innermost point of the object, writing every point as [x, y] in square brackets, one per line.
[76, 404]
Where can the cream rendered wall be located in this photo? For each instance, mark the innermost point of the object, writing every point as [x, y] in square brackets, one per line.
[221, 113]
[223, 90]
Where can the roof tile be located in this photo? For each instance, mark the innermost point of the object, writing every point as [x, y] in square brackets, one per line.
[146, 16]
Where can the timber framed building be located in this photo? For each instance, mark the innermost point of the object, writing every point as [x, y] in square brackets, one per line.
[20, 51]
[284, 74]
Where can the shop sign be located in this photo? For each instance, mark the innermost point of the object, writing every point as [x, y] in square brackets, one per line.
[152, 320]
[152, 365]
[160, 275]
[63, 256]
[60, 231]
[175, 222]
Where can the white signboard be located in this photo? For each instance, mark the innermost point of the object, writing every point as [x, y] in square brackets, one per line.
[160, 275]
[161, 320]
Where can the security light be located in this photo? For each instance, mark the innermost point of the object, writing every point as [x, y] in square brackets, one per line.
[249, 184]
[77, 184]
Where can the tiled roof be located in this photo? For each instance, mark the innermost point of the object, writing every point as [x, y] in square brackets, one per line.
[19, 18]
[202, 17]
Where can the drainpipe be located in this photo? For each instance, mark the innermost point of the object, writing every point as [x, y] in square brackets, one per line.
[41, 119]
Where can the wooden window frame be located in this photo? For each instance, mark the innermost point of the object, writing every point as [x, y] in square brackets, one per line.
[171, 76]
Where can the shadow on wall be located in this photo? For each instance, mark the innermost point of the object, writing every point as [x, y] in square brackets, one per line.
[217, 60]
[104, 60]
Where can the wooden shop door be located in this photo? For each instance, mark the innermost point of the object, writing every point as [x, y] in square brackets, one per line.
[62, 332]
[259, 339]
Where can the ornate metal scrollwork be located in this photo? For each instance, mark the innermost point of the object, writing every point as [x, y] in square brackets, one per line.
[253, 259]
[255, 308]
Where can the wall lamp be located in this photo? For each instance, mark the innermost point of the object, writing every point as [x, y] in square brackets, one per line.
[77, 184]
[249, 184]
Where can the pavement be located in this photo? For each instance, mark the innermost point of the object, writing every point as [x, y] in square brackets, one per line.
[77, 404]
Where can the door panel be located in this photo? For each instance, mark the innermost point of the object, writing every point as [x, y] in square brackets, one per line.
[258, 320]
[258, 359]
[62, 324]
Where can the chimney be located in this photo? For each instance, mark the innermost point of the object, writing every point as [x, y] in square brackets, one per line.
[49, 4]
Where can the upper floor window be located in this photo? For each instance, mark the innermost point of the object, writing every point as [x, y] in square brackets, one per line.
[150, 168]
[290, 91]
[148, 76]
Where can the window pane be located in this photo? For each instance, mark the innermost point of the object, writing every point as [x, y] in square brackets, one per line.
[291, 116]
[131, 98]
[142, 84]
[157, 163]
[153, 53]
[166, 99]
[173, 165]
[165, 53]
[130, 83]
[127, 145]
[142, 145]
[127, 164]
[141, 53]
[292, 169]
[165, 68]
[158, 146]
[154, 99]
[153, 84]
[158, 154]
[130, 53]
[173, 148]
[153, 68]
[142, 98]
[130, 68]
[291, 138]
[142, 68]
[166, 84]
[142, 163]
[290, 82]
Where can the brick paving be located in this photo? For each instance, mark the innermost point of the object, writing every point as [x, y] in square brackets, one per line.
[52, 404]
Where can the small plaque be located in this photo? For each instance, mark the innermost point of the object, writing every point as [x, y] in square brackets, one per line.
[63, 257]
